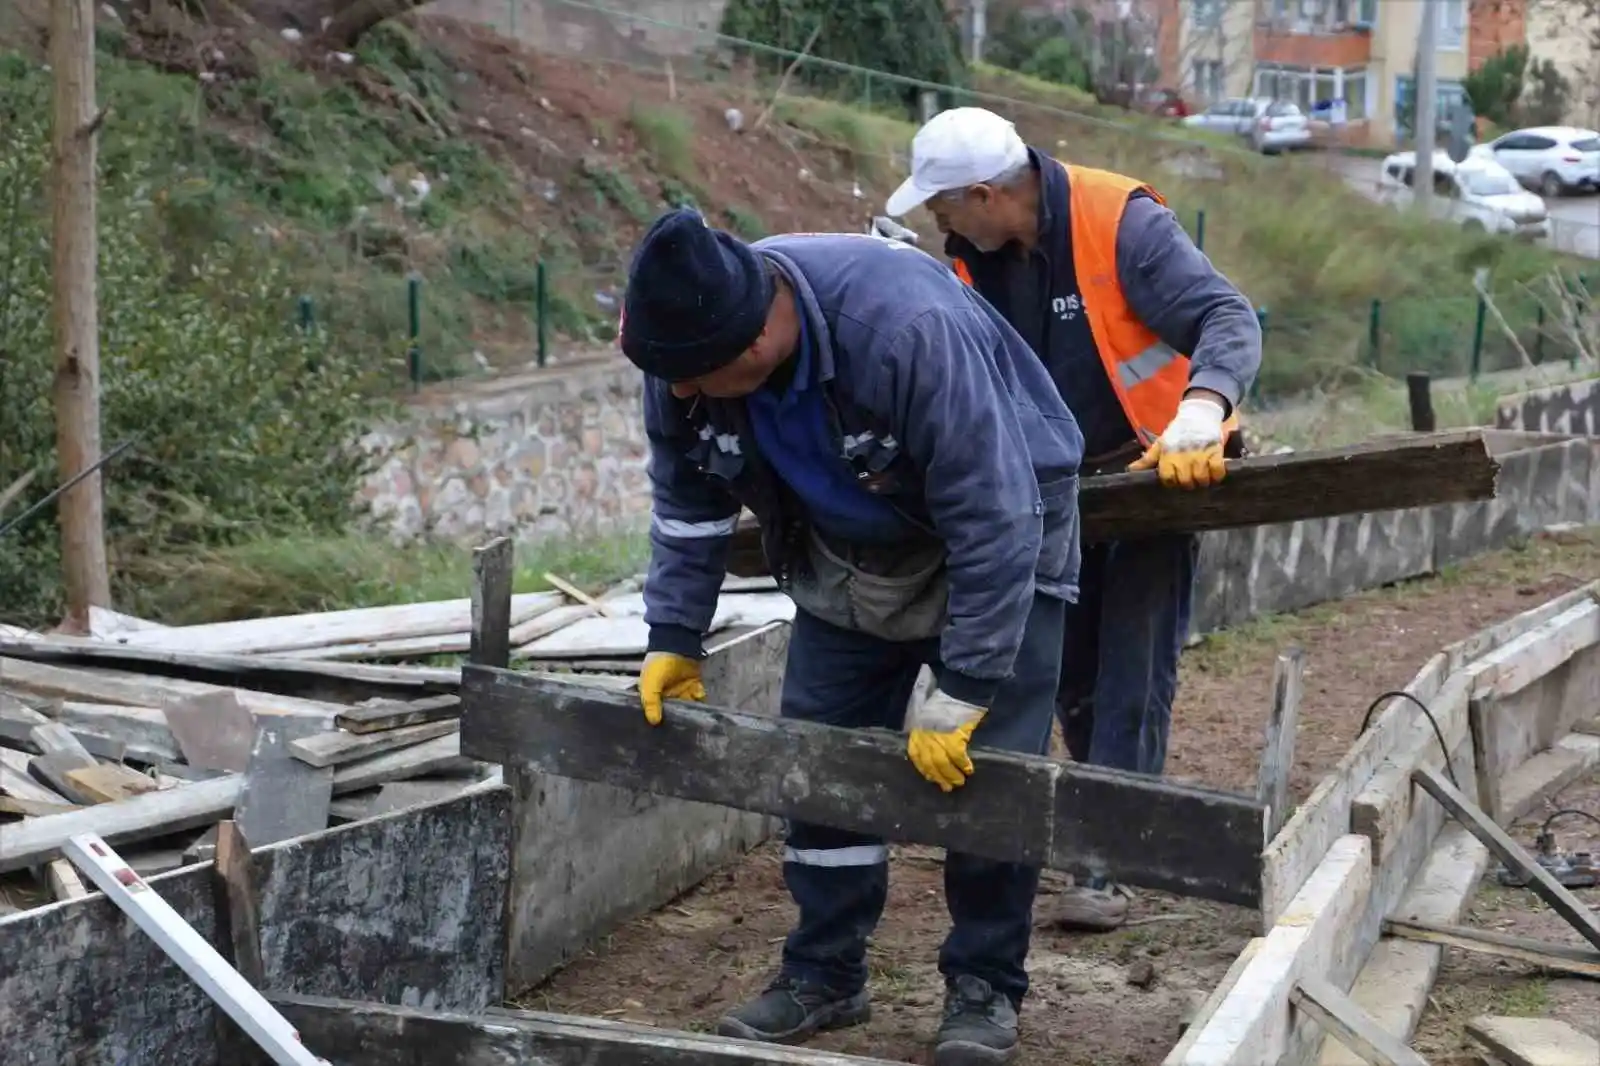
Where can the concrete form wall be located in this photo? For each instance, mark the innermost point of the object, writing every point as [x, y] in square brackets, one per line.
[590, 857]
[406, 908]
[1570, 408]
[1544, 481]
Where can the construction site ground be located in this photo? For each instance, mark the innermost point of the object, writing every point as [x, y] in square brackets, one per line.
[1116, 999]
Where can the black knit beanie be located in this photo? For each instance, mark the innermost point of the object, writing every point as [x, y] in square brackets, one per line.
[697, 298]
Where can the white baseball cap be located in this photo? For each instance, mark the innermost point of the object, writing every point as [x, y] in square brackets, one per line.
[954, 149]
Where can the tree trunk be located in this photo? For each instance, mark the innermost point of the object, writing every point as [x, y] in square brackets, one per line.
[74, 248]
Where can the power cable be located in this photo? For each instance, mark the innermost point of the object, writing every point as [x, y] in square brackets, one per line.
[1396, 694]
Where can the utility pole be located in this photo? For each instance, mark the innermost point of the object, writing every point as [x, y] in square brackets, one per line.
[76, 318]
[1425, 113]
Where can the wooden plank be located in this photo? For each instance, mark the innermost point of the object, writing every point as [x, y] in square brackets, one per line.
[282, 796]
[18, 782]
[337, 748]
[110, 782]
[141, 818]
[53, 771]
[262, 636]
[1277, 755]
[32, 808]
[1546, 774]
[369, 1034]
[394, 714]
[55, 739]
[1325, 815]
[431, 757]
[492, 571]
[144, 690]
[1495, 636]
[1213, 1000]
[1508, 851]
[1567, 958]
[1350, 1025]
[267, 673]
[18, 735]
[64, 881]
[1253, 1025]
[141, 732]
[1535, 1041]
[1153, 833]
[1485, 755]
[1540, 651]
[234, 880]
[567, 588]
[1379, 475]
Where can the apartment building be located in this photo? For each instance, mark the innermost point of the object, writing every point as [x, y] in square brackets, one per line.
[1567, 33]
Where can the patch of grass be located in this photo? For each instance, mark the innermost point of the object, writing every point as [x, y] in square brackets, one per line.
[745, 222]
[667, 133]
[869, 140]
[1527, 998]
[299, 575]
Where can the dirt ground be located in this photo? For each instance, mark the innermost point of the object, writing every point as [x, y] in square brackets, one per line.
[1101, 999]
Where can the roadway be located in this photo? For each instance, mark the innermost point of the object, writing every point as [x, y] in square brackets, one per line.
[1574, 219]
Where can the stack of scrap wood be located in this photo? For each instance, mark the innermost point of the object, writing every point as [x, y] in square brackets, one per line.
[147, 735]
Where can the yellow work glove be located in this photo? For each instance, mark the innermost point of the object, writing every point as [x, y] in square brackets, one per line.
[940, 730]
[1189, 454]
[665, 676]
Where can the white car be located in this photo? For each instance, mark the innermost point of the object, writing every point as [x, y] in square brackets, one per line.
[1269, 125]
[1552, 159]
[1477, 193]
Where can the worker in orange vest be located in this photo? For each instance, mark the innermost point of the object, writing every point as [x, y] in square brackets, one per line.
[1152, 349]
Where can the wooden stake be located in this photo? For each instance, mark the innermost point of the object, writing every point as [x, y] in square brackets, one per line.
[74, 248]
[492, 571]
[562, 585]
[1350, 1025]
[1277, 757]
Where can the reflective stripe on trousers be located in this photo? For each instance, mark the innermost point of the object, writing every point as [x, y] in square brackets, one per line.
[1146, 365]
[677, 527]
[856, 855]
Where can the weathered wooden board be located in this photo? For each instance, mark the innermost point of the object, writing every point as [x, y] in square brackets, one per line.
[110, 782]
[214, 730]
[262, 636]
[1253, 1024]
[392, 714]
[406, 908]
[1535, 1041]
[144, 690]
[493, 567]
[142, 731]
[1152, 833]
[377, 1034]
[17, 781]
[1380, 475]
[1277, 755]
[305, 678]
[1539, 651]
[1344, 1020]
[338, 747]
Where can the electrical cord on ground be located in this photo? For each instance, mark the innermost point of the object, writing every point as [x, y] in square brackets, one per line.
[1396, 694]
[1545, 828]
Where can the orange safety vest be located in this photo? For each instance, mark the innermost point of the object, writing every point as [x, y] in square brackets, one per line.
[1148, 376]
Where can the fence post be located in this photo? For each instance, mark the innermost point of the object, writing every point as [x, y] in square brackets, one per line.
[1255, 386]
[414, 319]
[1538, 335]
[1417, 390]
[1200, 229]
[1375, 332]
[542, 301]
[1476, 366]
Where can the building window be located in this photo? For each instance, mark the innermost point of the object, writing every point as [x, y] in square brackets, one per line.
[1367, 12]
[1355, 94]
[1316, 91]
[1449, 96]
[1207, 14]
[1207, 77]
[1452, 24]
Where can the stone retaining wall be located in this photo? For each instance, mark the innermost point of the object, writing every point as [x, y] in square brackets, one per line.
[1570, 408]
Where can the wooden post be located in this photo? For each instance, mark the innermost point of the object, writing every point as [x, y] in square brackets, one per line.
[74, 248]
[492, 572]
[1417, 390]
[1277, 755]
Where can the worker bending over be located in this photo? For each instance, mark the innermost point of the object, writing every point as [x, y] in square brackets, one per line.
[915, 477]
[1096, 274]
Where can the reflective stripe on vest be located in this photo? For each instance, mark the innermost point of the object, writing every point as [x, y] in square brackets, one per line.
[1147, 364]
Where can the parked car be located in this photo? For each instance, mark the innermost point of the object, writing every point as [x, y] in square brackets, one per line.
[1268, 125]
[1477, 193]
[1552, 159]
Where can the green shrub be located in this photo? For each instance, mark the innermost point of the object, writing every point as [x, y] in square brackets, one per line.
[243, 423]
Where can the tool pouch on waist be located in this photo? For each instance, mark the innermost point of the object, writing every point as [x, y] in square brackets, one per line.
[898, 592]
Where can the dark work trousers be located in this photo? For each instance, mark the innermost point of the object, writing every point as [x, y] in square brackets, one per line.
[839, 880]
[1119, 657]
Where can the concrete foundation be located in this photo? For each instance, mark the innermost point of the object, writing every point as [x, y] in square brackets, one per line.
[1570, 408]
[407, 908]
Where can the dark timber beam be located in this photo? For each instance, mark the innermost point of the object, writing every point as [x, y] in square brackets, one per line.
[1380, 475]
[376, 1034]
[1148, 832]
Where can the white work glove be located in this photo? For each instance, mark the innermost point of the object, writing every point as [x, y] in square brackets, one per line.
[1189, 453]
[940, 729]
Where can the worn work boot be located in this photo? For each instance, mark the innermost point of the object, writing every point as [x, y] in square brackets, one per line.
[791, 1010]
[979, 1026]
[1094, 906]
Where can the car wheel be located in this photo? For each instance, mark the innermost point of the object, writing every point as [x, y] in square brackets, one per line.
[1550, 185]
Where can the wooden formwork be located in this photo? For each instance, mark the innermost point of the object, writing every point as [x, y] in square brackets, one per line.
[1369, 847]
